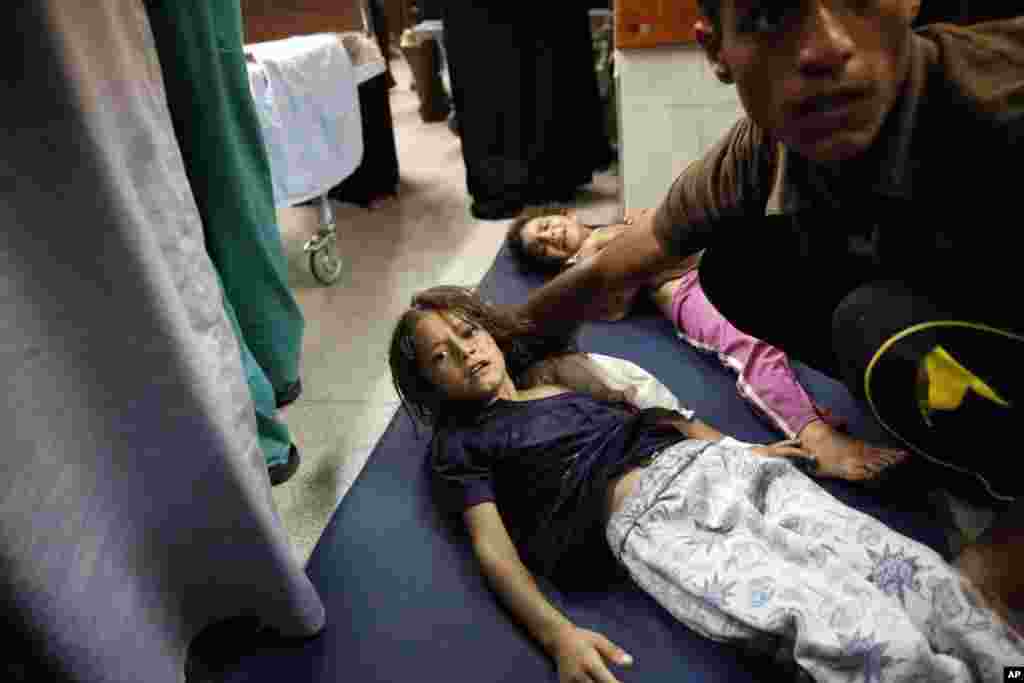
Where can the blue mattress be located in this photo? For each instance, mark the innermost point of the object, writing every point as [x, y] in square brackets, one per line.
[406, 602]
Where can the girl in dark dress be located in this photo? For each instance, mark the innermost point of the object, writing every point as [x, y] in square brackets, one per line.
[731, 538]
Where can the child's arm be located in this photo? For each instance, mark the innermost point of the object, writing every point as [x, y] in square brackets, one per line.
[580, 372]
[695, 429]
[577, 372]
[578, 653]
[791, 448]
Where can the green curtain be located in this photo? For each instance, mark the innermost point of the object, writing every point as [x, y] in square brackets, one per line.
[200, 48]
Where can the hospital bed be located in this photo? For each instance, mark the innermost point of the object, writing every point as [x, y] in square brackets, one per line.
[305, 89]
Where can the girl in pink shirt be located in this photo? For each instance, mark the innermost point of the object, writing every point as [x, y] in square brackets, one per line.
[765, 378]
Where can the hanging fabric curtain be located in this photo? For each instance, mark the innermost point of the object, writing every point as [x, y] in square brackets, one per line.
[135, 505]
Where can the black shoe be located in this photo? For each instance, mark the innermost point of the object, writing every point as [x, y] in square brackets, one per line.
[281, 473]
[219, 648]
[289, 394]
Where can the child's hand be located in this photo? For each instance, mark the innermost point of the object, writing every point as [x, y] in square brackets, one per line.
[792, 450]
[581, 654]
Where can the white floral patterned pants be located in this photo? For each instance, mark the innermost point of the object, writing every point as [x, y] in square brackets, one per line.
[738, 546]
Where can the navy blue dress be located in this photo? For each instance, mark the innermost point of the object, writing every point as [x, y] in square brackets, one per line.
[546, 464]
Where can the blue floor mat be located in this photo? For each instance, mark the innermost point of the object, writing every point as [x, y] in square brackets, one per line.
[405, 600]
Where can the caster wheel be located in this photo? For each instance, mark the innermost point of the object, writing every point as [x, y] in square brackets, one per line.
[325, 263]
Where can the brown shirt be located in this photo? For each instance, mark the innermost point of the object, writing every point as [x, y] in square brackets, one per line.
[954, 139]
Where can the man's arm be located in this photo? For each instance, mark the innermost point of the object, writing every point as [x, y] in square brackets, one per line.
[733, 178]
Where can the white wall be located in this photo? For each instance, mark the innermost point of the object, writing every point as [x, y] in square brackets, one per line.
[671, 108]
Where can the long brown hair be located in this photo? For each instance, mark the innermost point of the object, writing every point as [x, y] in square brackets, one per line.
[517, 338]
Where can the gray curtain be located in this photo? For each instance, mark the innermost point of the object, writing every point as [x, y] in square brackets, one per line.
[135, 507]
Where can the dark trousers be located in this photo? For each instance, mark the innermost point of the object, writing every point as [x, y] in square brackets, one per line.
[527, 100]
[867, 311]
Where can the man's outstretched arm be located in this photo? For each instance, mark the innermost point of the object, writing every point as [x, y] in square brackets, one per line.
[735, 173]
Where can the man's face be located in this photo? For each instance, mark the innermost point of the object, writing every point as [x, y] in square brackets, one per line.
[821, 75]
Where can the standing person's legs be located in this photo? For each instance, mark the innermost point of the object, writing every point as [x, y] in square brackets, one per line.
[491, 98]
[215, 122]
[379, 19]
[218, 130]
[566, 142]
[280, 455]
[739, 547]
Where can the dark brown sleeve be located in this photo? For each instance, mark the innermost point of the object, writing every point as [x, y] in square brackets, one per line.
[985, 65]
[734, 178]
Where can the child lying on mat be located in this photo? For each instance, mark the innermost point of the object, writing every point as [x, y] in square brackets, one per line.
[766, 381]
[730, 538]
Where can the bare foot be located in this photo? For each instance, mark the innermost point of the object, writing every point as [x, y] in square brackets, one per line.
[844, 457]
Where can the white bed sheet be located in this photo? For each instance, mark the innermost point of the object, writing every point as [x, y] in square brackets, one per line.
[305, 92]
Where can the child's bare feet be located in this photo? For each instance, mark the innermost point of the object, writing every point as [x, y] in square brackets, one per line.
[844, 457]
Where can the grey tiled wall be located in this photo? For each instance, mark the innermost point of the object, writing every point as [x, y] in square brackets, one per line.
[671, 108]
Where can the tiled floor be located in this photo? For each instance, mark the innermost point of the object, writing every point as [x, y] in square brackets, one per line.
[424, 237]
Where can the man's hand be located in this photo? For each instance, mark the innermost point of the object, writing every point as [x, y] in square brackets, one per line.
[596, 241]
[633, 215]
[581, 656]
[600, 238]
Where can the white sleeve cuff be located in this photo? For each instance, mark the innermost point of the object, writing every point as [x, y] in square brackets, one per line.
[642, 388]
